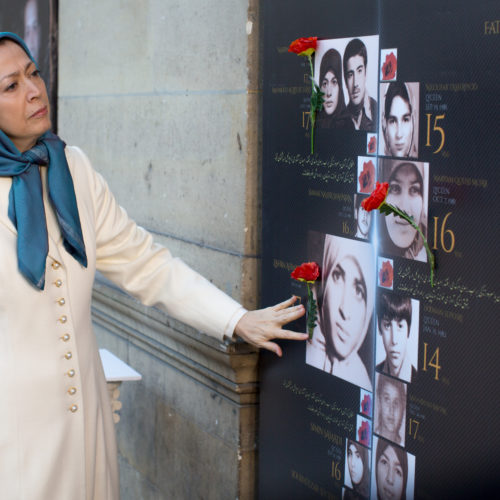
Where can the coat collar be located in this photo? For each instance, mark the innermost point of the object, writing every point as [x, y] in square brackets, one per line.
[55, 237]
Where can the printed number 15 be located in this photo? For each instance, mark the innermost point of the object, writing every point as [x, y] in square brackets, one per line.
[435, 128]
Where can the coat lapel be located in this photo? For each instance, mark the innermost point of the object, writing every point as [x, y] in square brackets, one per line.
[52, 225]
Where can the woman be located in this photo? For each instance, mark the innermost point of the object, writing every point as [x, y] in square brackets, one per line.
[407, 192]
[391, 471]
[58, 224]
[390, 409]
[398, 122]
[358, 465]
[332, 115]
[345, 305]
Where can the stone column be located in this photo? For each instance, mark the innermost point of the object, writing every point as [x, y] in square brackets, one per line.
[164, 97]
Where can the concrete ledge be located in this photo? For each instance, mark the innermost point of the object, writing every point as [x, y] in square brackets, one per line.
[194, 411]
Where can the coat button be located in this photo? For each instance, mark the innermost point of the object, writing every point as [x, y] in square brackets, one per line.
[65, 337]
[58, 283]
[56, 265]
[73, 408]
[68, 355]
[61, 302]
[71, 373]
[72, 391]
[63, 319]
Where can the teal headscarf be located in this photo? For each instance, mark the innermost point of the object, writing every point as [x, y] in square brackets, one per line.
[26, 210]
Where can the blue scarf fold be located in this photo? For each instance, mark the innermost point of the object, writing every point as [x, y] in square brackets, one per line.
[26, 209]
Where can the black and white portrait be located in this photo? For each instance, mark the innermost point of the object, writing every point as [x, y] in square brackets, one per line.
[399, 119]
[408, 190]
[346, 72]
[342, 342]
[393, 472]
[357, 471]
[390, 408]
[362, 217]
[397, 335]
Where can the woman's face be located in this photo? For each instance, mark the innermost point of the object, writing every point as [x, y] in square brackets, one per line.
[330, 87]
[399, 127]
[363, 221]
[405, 192]
[390, 477]
[345, 309]
[391, 411]
[24, 104]
[355, 464]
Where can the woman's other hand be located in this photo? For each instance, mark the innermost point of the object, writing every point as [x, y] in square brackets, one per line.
[263, 325]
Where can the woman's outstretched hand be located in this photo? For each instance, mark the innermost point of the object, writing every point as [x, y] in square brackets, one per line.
[263, 325]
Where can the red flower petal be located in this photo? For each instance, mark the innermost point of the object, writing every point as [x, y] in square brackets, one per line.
[377, 197]
[308, 271]
[304, 46]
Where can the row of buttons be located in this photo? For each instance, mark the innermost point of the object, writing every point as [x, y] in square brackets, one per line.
[66, 337]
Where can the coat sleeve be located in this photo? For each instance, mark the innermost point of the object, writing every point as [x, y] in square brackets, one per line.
[127, 255]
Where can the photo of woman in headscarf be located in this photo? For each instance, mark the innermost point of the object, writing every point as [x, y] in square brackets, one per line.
[399, 119]
[357, 474]
[332, 115]
[345, 310]
[407, 191]
[391, 470]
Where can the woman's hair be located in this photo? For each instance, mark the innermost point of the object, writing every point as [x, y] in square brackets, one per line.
[382, 382]
[331, 61]
[336, 249]
[394, 307]
[363, 486]
[396, 89]
[382, 445]
[389, 170]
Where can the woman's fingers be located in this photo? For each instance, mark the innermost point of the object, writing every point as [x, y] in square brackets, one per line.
[284, 316]
[285, 304]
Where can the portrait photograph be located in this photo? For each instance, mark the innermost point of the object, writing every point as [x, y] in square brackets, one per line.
[396, 351]
[408, 190]
[399, 119]
[342, 342]
[346, 70]
[393, 472]
[390, 408]
[362, 218]
[357, 470]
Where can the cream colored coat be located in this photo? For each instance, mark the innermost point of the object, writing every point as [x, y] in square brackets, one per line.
[57, 437]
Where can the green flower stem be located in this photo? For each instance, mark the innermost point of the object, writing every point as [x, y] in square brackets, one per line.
[313, 110]
[312, 310]
[387, 208]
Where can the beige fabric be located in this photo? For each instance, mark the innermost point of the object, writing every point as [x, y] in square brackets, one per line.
[47, 451]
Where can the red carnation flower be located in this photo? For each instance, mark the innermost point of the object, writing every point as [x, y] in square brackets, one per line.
[304, 46]
[308, 271]
[377, 197]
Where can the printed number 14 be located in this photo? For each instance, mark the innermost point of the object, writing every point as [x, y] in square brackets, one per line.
[433, 363]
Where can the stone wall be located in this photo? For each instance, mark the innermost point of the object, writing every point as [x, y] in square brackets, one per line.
[163, 96]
